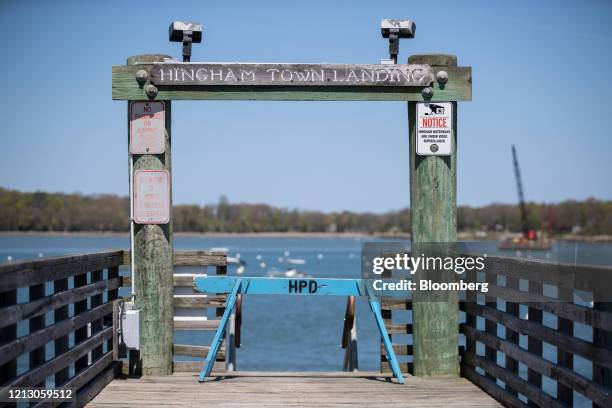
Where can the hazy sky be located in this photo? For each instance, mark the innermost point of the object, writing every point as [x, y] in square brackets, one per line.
[541, 80]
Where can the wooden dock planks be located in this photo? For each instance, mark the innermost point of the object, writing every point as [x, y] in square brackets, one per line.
[292, 389]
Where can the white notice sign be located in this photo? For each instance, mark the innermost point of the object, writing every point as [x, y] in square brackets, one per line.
[434, 128]
[151, 197]
[147, 127]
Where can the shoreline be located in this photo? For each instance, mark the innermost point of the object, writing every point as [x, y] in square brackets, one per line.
[462, 236]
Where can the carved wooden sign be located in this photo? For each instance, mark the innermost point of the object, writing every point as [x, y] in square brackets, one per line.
[298, 75]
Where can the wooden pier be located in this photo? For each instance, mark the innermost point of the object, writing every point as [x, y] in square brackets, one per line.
[293, 390]
[85, 356]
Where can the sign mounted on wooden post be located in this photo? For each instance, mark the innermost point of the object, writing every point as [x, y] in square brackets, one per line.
[434, 128]
[151, 197]
[332, 75]
[147, 127]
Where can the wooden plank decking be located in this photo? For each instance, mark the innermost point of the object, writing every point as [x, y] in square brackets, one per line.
[292, 389]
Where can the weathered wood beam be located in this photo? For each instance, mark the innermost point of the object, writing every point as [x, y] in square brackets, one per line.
[433, 206]
[190, 258]
[126, 87]
[153, 264]
[27, 273]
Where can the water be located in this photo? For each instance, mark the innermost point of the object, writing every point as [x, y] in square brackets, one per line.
[301, 333]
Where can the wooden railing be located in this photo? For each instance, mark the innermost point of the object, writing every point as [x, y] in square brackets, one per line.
[191, 308]
[36, 298]
[510, 364]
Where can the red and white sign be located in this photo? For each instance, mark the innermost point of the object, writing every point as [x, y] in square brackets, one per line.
[147, 127]
[151, 197]
[434, 128]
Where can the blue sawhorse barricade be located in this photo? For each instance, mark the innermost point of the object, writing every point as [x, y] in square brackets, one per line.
[285, 286]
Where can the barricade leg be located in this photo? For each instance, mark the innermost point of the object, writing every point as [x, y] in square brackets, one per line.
[220, 333]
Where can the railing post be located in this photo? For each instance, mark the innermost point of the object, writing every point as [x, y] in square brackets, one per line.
[565, 359]
[153, 262]
[602, 338]
[533, 344]
[512, 336]
[80, 334]
[433, 206]
[113, 272]
[96, 325]
[8, 371]
[37, 356]
[61, 344]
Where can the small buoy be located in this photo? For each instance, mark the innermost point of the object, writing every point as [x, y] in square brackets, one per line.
[262, 265]
[286, 253]
[9, 258]
[320, 256]
[258, 257]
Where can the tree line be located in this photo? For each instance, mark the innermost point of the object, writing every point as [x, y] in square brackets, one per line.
[41, 211]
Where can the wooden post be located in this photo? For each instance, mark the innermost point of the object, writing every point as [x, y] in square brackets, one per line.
[433, 206]
[37, 356]
[153, 264]
[8, 370]
[80, 334]
[565, 359]
[534, 345]
[62, 343]
[602, 338]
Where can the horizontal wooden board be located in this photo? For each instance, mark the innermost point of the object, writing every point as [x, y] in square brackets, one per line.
[194, 323]
[179, 279]
[294, 75]
[38, 374]
[195, 351]
[13, 314]
[191, 258]
[28, 273]
[11, 350]
[581, 277]
[582, 314]
[458, 87]
[198, 301]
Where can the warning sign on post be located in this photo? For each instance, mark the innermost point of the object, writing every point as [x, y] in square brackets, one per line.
[151, 197]
[147, 127]
[434, 128]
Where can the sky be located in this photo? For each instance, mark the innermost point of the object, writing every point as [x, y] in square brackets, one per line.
[541, 81]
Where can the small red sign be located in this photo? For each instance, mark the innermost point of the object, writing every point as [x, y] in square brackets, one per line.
[151, 197]
[147, 127]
